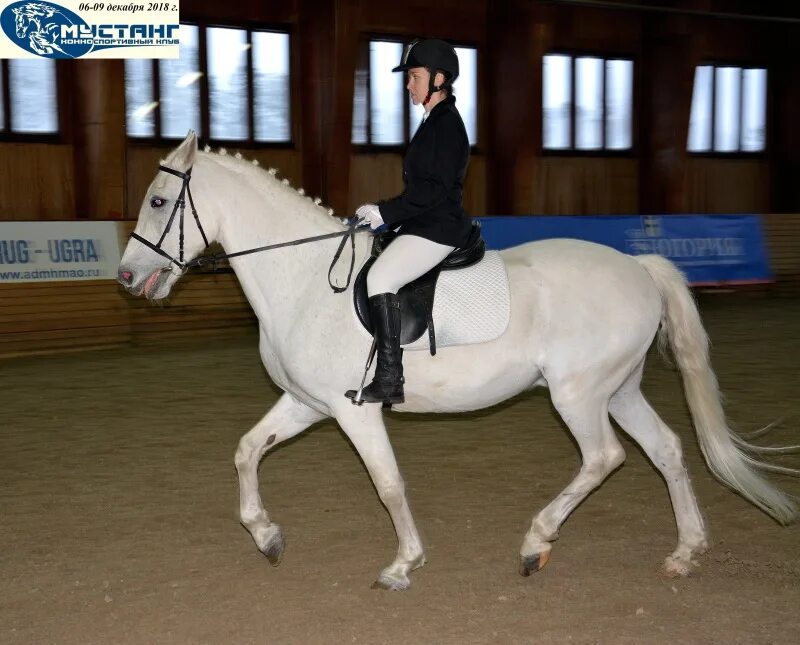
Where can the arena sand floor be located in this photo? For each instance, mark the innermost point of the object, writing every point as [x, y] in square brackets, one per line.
[120, 522]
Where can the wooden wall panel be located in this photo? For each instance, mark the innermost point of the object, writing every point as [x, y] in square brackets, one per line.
[783, 124]
[584, 185]
[782, 232]
[253, 11]
[460, 20]
[47, 317]
[376, 176]
[512, 102]
[141, 167]
[36, 181]
[475, 187]
[665, 74]
[51, 317]
[337, 122]
[373, 177]
[207, 303]
[592, 30]
[726, 185]
[98, 129]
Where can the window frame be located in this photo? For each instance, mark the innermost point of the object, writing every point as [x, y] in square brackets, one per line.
[737, 154]
[7, 135]
[364, 55]
[205, 112]
[572, 151]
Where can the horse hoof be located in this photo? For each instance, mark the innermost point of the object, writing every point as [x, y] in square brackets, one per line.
[274, 549]
[391, 584]
[677, 568]
[532, 563]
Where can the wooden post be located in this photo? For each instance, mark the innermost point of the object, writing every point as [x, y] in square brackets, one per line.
[328, 50]
[338, 118]
[668, 70]
[511, 103]
[315, 65]
[98, 129]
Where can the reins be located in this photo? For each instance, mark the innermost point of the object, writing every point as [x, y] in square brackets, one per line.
[349, 233]
[204, 260]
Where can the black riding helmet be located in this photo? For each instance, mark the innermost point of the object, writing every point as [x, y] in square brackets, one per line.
[435, 55]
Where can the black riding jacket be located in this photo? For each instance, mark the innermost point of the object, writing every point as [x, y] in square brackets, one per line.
[433, 173]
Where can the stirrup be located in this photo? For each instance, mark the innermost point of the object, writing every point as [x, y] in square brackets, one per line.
[356, 394]
[356, 397]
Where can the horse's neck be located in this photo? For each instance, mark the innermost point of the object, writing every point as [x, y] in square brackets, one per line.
[279, 283]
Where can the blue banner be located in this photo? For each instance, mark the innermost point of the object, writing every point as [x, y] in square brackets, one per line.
[709, 249]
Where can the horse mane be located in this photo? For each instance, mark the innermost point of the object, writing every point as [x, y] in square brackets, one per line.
[47, 10]
[271, 182]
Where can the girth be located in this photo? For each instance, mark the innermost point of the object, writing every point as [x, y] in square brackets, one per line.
[416, 298]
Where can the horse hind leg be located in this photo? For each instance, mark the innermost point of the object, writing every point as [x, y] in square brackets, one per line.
[601, 453]
[637, 418]
[287, 418]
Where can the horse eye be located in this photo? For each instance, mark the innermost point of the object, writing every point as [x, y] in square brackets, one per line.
[157, 202]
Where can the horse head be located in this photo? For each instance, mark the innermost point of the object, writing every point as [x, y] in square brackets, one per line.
[144, 270]
[22, 21]
[33, 13]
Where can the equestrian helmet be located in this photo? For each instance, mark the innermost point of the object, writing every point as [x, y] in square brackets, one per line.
[435, 55]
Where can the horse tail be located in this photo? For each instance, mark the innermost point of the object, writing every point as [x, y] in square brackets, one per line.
[729, 457]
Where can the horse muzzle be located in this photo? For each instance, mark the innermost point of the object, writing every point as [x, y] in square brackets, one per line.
[149, 285]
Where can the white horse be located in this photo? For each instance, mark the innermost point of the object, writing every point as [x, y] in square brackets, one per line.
[582, 319]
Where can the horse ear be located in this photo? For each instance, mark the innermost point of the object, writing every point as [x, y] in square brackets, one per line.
[182, 158]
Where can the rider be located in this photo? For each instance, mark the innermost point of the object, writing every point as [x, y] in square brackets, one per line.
[429, 212]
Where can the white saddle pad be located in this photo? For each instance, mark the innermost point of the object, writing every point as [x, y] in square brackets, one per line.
[471, 305]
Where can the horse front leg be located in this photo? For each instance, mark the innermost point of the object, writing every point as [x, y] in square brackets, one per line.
[287, 418]
[365, 428]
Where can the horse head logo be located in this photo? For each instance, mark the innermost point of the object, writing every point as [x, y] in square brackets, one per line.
[36, 27]
[46, 20]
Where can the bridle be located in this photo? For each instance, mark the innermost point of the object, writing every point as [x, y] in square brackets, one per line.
[180, 203]
[203, 260]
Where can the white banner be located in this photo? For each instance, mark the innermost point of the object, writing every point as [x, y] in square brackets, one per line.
[44, 251]
[70, 29]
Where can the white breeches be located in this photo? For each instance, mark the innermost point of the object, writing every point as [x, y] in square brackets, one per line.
[405, 259]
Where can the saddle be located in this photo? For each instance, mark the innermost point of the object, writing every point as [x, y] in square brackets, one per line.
[416, 298]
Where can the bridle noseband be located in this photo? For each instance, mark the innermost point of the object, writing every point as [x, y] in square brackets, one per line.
[203, 260]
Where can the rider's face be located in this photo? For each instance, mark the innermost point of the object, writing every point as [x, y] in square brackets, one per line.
[417, 84]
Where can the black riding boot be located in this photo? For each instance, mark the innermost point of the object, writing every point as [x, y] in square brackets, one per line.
[387, 386]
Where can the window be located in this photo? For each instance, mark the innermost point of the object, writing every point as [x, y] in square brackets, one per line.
[247, 80]
[729, 110]
[383, 114]
[179, 87]
[587, 103]
[28, 96]
[271, 99]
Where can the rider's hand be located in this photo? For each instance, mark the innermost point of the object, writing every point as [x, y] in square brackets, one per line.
[369, 214]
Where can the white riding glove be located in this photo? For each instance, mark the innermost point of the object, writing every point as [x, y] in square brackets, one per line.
[369, 214]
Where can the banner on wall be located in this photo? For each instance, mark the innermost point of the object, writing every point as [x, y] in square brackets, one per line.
[45, 251]
[709, 249]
